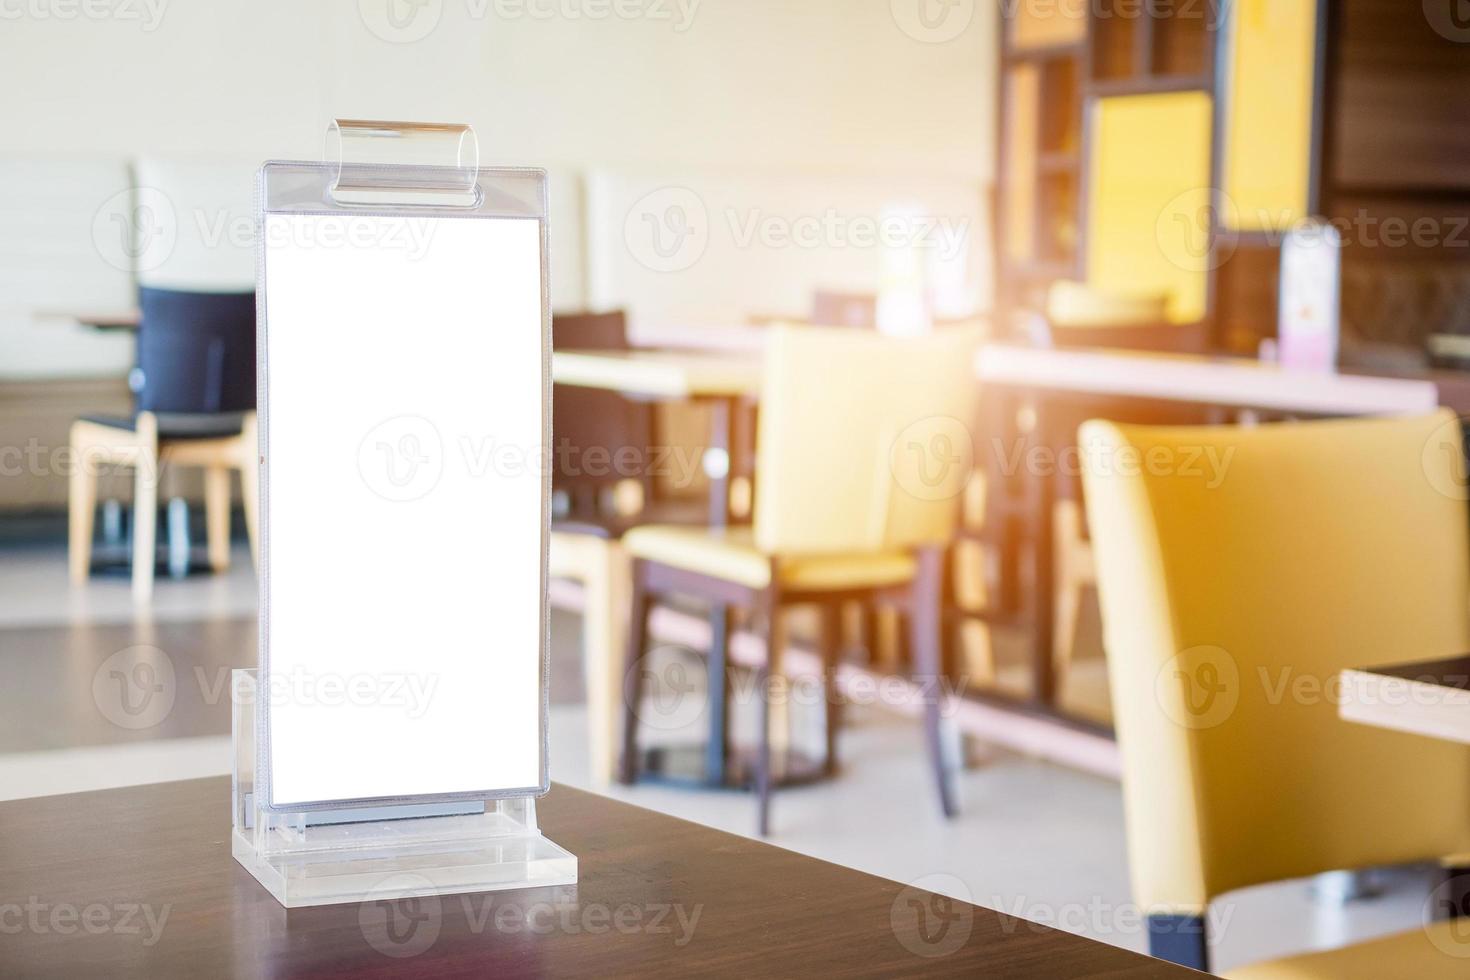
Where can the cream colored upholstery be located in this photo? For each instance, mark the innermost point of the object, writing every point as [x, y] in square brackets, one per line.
[861, 455]
[731, 554]
[862, 443]
[1230, 605]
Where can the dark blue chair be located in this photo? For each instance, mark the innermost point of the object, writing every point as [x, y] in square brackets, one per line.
[194, 405]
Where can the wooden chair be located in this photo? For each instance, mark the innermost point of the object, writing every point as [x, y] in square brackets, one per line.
[1214, 592]
[594, 514]
[195, 406]
[859, 484]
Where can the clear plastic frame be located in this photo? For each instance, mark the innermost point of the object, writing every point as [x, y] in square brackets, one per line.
[356, 854]
[310, 438]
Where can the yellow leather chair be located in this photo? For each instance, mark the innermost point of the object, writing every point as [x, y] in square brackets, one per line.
[1301, 550]
[862, 453]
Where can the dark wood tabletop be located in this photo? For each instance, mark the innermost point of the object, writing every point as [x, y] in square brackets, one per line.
[140, 882]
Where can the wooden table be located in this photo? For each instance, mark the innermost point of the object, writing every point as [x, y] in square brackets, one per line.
[140, 882]
[1223, 381]
[722, 381]
[1038, 375]
[1427, 698]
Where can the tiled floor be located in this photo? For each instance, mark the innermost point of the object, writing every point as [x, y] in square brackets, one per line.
[1034, 839]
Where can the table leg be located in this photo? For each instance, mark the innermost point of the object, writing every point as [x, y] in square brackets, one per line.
[1007, 504]
[1043, 585]
[717, 738]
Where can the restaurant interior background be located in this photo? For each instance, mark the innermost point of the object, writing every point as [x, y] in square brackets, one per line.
[1055, 175]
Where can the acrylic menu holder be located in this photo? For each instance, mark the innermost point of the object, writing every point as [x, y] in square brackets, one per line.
[356, 850]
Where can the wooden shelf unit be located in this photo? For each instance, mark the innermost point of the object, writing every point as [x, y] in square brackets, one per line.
[1055, 60]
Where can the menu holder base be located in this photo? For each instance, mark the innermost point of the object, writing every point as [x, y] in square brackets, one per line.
[382, 853]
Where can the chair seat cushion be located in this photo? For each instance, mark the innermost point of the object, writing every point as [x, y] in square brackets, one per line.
[179, 425]
[1441, 950]
[730, 554]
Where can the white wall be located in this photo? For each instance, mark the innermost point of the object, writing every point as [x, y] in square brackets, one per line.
[807, 87]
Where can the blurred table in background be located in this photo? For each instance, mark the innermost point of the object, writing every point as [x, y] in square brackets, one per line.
[727, 382]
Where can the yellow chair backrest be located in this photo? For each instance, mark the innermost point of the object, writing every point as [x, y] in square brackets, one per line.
[1239, 570]
[864, 440]
[1075, 304]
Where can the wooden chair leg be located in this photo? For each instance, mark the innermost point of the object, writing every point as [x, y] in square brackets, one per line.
[924, 617]
[81, 512]
[770, 667]
[250, 483]
[217, 516]
[780, 708]
[831, 646]
[145, 506]
[639, 605]
[1067, 607]
[605, 580]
